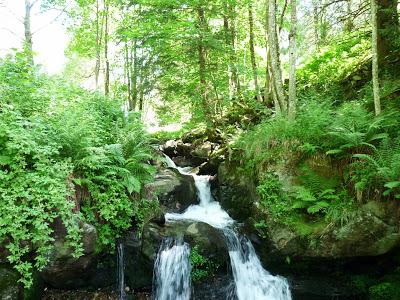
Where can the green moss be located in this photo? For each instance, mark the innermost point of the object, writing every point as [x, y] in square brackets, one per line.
[305, 227]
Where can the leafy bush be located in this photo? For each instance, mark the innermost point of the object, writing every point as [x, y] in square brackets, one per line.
[384, 291]
[336, 61]
[379, 170]
[202, 267]
[34, 191]
[49, 149]
[272, 197]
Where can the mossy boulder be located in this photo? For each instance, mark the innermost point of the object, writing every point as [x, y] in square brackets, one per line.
[236, 192]
[9, 287]
[174, 191]
[66, 271]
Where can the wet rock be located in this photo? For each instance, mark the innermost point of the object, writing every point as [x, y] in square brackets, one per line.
[175, 191]
[204, 150]
[209, 240]
[174, 148]
[182, 161]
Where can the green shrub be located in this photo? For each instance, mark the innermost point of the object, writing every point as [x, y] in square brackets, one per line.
[384, 291]
[272, 197]
[202, 267]
[48, 149]
[34, 191]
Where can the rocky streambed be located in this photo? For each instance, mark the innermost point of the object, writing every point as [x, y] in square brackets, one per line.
[319, 265]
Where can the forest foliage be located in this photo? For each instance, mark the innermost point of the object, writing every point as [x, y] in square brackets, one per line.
[57, 139]
[281, 82]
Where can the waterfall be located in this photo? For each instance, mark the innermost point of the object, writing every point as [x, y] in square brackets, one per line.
[252, 281]
[121, 271]
[172, 271]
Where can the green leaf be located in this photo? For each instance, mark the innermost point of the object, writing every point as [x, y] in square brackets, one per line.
[392, 184]
[132, 184]
[334, 151]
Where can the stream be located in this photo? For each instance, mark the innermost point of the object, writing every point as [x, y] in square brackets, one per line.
[172, 267]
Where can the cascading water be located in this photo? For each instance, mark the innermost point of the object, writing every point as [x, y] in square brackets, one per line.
[252, 281]
[172, 270]
[121, 271]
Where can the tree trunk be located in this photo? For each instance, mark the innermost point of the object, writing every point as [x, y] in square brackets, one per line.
[275, 61]
[128, 76]
[375, 57]
[134, 74]
[252, 53]
[349, 18]
[316, 24]
[387, 27]
[227, 35]
[233, 59]
[107, 63]
[292, 60]
[267, 86]
[28, 44]
[202, 62]
[99, 33]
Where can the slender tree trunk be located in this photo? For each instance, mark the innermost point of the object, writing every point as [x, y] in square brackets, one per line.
[231, 83]
[387, 27]
[28, 44]
[375, 57]
[292, 60]
[267, 86]
[134, 74]
[349, 18]
[233, 59]
[107, 63]
[202, 61]
[99, 33]
[275, 61]
[128, 76]
[252, 53]
[316, 24]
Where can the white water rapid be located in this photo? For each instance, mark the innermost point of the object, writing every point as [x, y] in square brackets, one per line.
[172, 270]
[252, 281]
[121, 271]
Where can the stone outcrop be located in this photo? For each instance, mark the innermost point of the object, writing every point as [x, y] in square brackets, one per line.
[174, 191]
[63, 270]
[372, 230]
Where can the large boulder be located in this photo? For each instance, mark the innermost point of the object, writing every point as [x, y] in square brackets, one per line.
[372, 231]
[175, 191]
[66, 271]
[9, 287]
[209, 240]
[236, 192]
[141, 251]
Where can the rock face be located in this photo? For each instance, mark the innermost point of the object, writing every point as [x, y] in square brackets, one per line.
[65, 271]
[175, 191]
[372, 231]
[195, 150]
[140, 253]
[236, 192]
[9, 289]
